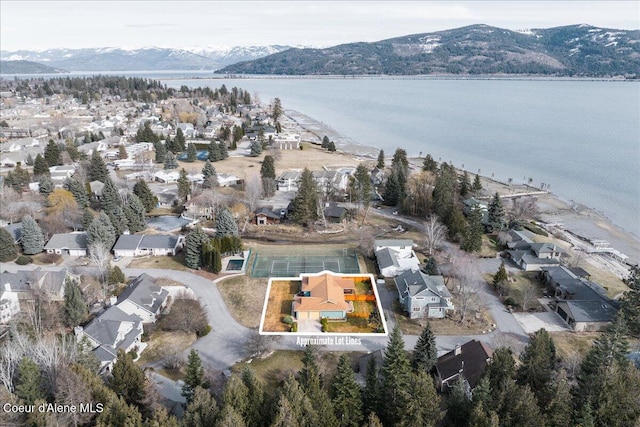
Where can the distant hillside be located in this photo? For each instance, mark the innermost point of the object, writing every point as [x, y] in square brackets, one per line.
[27, 67]
[577, 50]
[144, 59]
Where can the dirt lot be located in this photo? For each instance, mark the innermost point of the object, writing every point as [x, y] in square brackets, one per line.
[244, 297]
[449, 326]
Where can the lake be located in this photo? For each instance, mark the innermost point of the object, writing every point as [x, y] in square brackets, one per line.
[581, 138]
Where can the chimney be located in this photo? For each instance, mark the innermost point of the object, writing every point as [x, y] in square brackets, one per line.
[113, 300]
[458, 350]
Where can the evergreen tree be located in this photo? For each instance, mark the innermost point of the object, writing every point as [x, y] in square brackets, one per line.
[224, 151]
[559, 410]
[256, 148]
[311, 383]
[214, 151]
[538, 366]
[500, 373]
[127, 379]
[457, 224]
[29, 160]
[170, 161]
[361, 185]
[8, 249]
[97, 168]
[347, 400]
[325, 142]
[191, 153]
[45, 185]
[119, 221]
[371, 392]
[431, 267]
[116, 276]
[117, 412]
[254, 415]
[477, 185]
[17, 179]
[146, 196]
[268, 168]
[29, 384]
[101, 230]
[501, 280]
[78, 190]
[193, 247]
[225, 224]
[444, 194]
[229, 417]
[110, 198]
[305, 204]
[458, 404]
[618, 400]
[496, 216]
[40, 166]
[425, 352]
[184, 186]
[332, 147]
[276, 112]
[136, 214]
[210, 175]
[179, 141]
[380, 163]
[464, 184]
[194, 375]
[396, 371]
[429, 164]
[122, 152]
[75, 310]
[87, 217]
[472, 241]
[294, 408]
[201, 411]
[423, 407]
[236, 397]
[161, 152]
[32, 238]
[52, 154]
[631, 302]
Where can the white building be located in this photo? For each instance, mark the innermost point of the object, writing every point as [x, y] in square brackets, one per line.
[9, 304]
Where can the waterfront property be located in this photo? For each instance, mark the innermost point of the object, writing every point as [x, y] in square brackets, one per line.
[530, 256]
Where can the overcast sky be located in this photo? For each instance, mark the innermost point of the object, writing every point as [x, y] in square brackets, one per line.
[76, 24]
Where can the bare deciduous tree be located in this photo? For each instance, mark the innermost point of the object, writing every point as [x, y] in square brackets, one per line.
[504, 238]
[435, 232]
[252, 190]
[186, 314]
[99, 255]
[257, 344]
[528, 295]
[523, 208]
[465, 278]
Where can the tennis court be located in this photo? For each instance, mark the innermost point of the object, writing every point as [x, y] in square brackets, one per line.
[294, 260]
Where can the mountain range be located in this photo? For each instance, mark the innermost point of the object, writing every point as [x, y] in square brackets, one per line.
[143, 59]
[575, 50]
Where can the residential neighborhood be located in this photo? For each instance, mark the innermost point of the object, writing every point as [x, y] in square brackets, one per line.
[194, 242]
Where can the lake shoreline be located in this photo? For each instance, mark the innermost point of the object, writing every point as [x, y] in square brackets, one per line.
[579, 219]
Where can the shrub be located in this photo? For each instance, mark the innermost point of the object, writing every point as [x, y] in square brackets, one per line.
[325, 324]
[186, 315]
[535, 229]
[294, 327]
[288, 320]
[24, 260]
[133, 354]
[50, 258]
[204, 331]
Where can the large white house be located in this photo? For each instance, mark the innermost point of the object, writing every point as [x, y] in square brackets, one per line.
[395, 256]
[143, 245]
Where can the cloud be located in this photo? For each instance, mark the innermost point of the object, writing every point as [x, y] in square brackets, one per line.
[154, 25]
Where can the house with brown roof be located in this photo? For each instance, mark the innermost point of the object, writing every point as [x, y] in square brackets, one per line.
[468, 360]
[323, 295]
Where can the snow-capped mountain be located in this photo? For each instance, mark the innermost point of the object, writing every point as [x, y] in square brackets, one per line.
[148, 58]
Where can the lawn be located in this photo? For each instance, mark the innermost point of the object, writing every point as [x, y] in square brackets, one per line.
[244, 297]
[352, 325]
[571, 346]
[473, 325]
[163, 343]
[608, 280]
[280, 304]
[164, 262]
[519, 283]
[363, 287]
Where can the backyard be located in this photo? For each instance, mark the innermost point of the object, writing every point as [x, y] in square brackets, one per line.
[279, 304]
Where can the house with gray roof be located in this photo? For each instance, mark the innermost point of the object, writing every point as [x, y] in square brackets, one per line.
[74, 244]
[422, 295]
[530, 256]
[15, 230]
[148, 245]
[581, 303]
[143, 298]
[395, 256]
[25, 282]
[113, 330]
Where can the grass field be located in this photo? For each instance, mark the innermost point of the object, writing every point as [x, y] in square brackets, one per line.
[164, 262]
[279, 305]
[162, 343]
[244, 297]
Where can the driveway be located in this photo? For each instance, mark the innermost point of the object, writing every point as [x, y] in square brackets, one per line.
[225, 344]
